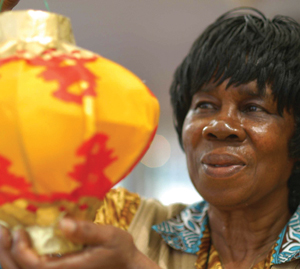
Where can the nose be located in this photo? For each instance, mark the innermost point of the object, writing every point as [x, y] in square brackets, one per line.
[224, 129]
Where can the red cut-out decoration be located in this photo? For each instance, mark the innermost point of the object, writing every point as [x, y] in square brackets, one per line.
[62, 209]
[9, 179]
[91, 172]
[18, 185]
[11, 59]
[49, 51]
[66, 75]
[32, 208]
[83, 207]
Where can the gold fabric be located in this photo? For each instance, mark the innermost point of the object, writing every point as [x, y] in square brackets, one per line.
[118, 208]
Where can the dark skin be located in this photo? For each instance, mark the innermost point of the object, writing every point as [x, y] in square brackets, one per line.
[108, 247]
[236, 145]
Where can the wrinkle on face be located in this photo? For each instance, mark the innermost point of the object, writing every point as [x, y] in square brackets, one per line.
[220, 121]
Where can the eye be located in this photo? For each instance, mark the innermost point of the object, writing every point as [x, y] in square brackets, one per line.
[254, 108]
[205, 106]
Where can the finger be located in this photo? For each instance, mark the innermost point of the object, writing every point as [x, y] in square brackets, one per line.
[6, 259]
[26, 258]
[86, 232]
[22, 252]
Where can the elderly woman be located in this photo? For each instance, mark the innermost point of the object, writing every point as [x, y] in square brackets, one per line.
[236, 108]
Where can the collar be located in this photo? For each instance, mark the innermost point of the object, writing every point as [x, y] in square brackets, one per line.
[185, 231]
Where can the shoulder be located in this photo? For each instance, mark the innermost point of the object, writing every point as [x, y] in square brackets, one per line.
[150, 214]
[154, 215]
[156, 212]
[122, 208]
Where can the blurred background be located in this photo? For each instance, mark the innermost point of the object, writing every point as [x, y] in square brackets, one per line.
[150, 38]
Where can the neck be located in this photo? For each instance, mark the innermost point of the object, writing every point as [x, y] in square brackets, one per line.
[244, 236]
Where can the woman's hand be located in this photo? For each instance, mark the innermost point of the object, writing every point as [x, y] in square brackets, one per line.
[108, 247]
[9, 4]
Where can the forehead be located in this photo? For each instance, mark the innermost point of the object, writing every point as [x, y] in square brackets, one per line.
[249, 89]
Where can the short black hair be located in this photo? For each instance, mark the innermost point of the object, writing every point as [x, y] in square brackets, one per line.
[243, 46]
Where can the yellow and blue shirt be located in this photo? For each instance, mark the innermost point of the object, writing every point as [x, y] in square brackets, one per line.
[189, 231]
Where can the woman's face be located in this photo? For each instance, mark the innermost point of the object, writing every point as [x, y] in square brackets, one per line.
[236, 145]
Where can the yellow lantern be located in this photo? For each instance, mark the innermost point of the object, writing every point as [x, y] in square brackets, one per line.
[72, 123]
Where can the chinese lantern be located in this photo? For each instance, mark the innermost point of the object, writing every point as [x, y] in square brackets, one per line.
[72, 123]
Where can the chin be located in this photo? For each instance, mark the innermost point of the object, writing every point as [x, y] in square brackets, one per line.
[225, 199]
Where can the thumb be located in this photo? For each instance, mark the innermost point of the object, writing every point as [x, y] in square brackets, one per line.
[86, 232]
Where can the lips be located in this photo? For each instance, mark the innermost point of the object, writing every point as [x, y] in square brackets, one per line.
[222, 165]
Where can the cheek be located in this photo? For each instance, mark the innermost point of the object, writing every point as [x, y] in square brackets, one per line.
[191, 134]
[270, 144]
[269, 138]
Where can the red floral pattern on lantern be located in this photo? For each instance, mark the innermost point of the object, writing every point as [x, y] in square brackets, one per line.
[11, 186]
[67, 71]
[32, 208]
[83, 207]
[90, 174]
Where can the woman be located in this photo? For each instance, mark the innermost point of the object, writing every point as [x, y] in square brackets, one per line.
[235, 99]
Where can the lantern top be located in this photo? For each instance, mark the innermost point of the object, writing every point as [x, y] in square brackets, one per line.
[35, 26]
[44, 29]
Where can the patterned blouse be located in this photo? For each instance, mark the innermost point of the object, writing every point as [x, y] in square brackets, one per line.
[188, 231]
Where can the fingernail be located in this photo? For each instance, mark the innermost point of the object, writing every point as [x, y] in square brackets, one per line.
[15, 236]
[68, 225]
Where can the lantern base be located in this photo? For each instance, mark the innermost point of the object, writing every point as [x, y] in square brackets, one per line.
[40, 220]
[50, 241]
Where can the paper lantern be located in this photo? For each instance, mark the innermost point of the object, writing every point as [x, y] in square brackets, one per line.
[72, 123]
